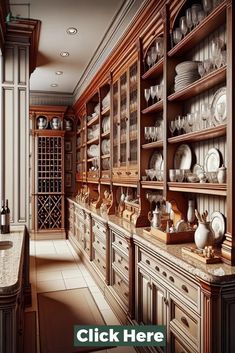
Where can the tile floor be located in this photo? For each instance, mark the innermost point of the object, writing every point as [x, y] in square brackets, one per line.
[54, 265]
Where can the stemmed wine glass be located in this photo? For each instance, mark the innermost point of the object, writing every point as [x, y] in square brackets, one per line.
[172, 127]
[190, 119]
[195, 9]
[201, 69]
[183, 25]
[204, 114]
[149, 59]
[159, 92]
[153, 91]
[153, 55]
[147, 94]
[147, 133]
[207, 6]
[189, 22]
[152, 132]
[177, 35]
[207, 65]
[159, 47]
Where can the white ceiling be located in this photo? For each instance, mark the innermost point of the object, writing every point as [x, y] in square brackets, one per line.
[92, 18]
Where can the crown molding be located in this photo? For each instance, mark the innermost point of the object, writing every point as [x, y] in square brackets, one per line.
[25, 31]
[49, 98]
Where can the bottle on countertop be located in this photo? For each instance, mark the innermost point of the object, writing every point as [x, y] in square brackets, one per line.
[7, 217]
[3, 219]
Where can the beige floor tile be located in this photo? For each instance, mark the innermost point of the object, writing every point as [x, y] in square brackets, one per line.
[49, 286]
[89, 280]
[48, 275]
[109, 317]
[77, 282]
[95, 290]
[72, 273]
[101, 302]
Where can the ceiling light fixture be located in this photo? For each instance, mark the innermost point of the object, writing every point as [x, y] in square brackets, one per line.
[64, 54]
[72, 30]
[59, 72]
[54, 85]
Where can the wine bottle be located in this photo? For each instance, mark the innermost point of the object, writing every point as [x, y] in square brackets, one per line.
[3, 219]
[7, 217]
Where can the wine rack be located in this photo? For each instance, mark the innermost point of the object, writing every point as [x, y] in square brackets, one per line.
[49, 180]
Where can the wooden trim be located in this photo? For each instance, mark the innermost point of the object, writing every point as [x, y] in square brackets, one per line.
[27, 32]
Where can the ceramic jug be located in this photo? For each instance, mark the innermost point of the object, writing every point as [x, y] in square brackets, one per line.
[221, 175]
[203, 236]
[55, 123]
[41, 123]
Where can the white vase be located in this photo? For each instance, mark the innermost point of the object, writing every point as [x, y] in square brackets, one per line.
[203, 235]
[191, 211]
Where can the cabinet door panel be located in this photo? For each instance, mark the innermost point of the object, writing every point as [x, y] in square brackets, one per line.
[144, 298]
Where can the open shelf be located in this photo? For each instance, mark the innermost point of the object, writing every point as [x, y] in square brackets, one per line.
[96, 139]
[199, 188]
[105, 156]
[93, 121]
[154, 71]
[156, 185]
[92, 159]
[201, 31]
[105, 110]
[106, 133]
[203, 84]
[155, 144]
[156, 107]
[201, 135]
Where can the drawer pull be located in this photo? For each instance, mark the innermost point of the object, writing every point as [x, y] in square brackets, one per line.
[104, 267]
[98, 227]
[171, 279]
[147, 262]
[184, 288]
[157, 268]
[119, 282]
[128, 173]
[103, 247]
[164, 273]
[97, 241]
[120, 242]
[126, 294]
[98, 260]
[126, 268]
[184, 321]
[119, 261]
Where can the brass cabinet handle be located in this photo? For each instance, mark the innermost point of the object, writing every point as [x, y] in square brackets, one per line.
[184, 321]
[97, 241]
[157, 268]
[119, 282]
[103, 247]
[147, 262]
[104, 267]
[119, 261]
[171, 279]
[126, 268]
[120, 242]
[98, 226]
[184, 288]
[126, 294]
[128, 173]
[164, 274]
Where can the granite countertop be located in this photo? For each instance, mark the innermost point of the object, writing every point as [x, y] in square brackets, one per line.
[213, 273]
[10, 260]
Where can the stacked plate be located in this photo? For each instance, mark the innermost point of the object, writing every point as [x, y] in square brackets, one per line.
[187, 73]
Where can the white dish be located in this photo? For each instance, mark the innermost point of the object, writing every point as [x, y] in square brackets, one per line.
[183, 157]
[105, 146]
[212, 160]
[93, 151]
[198, 169]
[181, 226]
[218, 225]
[219, 102]
[186, 66]
[156, 161]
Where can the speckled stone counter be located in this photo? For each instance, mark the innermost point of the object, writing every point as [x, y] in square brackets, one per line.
[11, 260]
[212, 273]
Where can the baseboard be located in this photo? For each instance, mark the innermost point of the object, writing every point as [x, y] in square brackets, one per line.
[48, 235]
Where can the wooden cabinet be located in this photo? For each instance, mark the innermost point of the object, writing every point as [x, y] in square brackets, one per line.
[99, 247]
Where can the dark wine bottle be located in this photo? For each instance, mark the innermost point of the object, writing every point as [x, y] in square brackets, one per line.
[3, 219]
[7, 217]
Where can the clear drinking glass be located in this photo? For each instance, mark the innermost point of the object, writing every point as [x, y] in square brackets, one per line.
[172, 127]
[207, 65]
[207, 6]
[201, 15]
[147, 94]
[159, 47]
[215, 51]
[205, 114]
[149, 59]
[195, 9]
[183, 25]
[177, 35]
[153, 91]
[188, 15]
[159, 92]
[190, 120]
[201, 69]
[153, 55]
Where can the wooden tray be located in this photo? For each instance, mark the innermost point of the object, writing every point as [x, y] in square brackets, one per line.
[170, 238]
[193, 253]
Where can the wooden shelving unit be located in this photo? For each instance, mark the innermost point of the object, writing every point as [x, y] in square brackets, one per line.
[201, 135]
[156, 107]
[199, 188]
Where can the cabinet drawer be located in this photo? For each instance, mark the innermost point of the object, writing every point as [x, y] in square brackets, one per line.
[125, 174]
[121, 287]
[179, 347]
[99, 261]
[186, 323]
[120, 242]
[98, 228]
[99, 245]
[121, 262]
[186, 288]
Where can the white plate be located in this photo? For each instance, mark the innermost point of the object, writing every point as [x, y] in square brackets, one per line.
[212, 160]
[93, 151]
[218, 225]
[183, 157]
[197, 169]
[218, 99]
[186, 66]
[156, 161]
[105, 146]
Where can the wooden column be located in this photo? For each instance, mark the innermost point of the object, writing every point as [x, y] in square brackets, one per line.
[228, 246]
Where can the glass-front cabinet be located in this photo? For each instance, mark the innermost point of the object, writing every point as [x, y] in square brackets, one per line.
[125, 125]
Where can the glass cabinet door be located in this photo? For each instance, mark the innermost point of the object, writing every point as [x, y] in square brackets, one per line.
[116, 122]
[123, 120]
[133, 118]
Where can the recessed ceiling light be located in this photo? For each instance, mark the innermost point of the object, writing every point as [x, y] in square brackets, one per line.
[64, 53]
[59, 72]
[54, 85]
[72, 30]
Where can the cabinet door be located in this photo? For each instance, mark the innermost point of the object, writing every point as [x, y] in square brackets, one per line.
[124, 127]
[144, 298]
[133, 117]
[159, 307]
[116, 125]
